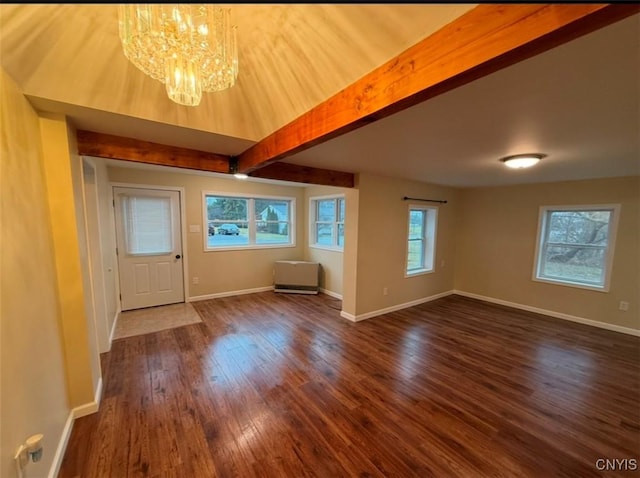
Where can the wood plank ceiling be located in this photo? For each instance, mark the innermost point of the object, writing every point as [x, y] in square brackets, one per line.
[481, 41]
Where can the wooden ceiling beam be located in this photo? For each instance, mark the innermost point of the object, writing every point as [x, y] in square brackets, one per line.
[482, 41]
[129, 149]
[304, 174]
[108, 146]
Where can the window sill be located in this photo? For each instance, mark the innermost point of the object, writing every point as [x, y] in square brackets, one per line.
[418, 272]
[326, 248]
[248, 247]
[576, 285]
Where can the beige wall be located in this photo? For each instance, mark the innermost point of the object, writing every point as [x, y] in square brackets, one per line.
[101, 248]
[330, 261]
[221, 271]
[381, 243]
[33, 386]
[496, 244]
[108, 244]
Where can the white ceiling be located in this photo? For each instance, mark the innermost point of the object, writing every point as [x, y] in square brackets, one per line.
[579, 103]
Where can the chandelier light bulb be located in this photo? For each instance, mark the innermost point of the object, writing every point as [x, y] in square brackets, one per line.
[190, 48]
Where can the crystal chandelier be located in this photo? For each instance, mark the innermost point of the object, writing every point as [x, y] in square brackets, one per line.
[189, 48]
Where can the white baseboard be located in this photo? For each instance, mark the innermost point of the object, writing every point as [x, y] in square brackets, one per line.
[393, 308]
[62, 447]
[551, 313]
[91, 407]
[86, 409]
[348, 316]
[229, 294]
[113, 327]
[330, 293]
[81, 411]
[98, 394]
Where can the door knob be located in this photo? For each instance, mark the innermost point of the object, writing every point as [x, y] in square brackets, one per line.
[177, 256]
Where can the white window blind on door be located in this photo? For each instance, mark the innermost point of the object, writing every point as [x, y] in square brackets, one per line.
[148, 225]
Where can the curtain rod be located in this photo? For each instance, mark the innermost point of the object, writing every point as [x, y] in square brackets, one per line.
[427, 200]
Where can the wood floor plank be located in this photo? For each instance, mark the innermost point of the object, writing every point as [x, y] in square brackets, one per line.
[278, 385]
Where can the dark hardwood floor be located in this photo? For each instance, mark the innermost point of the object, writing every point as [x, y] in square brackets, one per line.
[277, 385]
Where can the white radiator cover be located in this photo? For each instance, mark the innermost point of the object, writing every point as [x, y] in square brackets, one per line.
[296, 277]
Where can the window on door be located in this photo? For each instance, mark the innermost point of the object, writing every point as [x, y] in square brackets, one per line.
[148, 225]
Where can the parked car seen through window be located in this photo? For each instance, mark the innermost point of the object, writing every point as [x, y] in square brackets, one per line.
[228, 229]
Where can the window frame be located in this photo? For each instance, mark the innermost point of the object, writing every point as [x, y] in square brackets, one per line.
[313, 222]
[251, 221]
[429, 238]
[541, 245]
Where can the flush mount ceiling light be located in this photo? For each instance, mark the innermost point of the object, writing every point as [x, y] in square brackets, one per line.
[189, 48]
[518, 161]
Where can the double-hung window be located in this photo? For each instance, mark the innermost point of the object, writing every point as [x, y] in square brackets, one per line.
[326, 221]
[421, 240]
[575, 245]
[236, 222]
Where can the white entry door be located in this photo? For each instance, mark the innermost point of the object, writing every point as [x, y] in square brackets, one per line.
[148, 234]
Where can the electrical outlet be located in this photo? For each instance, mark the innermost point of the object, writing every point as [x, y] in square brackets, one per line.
[624, 305]
[30, 450]
[195, 280]
[385, 291]
[442, 263]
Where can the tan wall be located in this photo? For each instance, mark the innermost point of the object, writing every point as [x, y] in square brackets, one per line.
[330, 268]
[381, 243]
[497, 239]
[331, 261]
[64, 185]
[82, 255]
[221, 271]
[350, 255]
[32, 385]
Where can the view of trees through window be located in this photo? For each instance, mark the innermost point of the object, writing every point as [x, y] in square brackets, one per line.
[575, 245]
[421, 240]
[415, 250]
